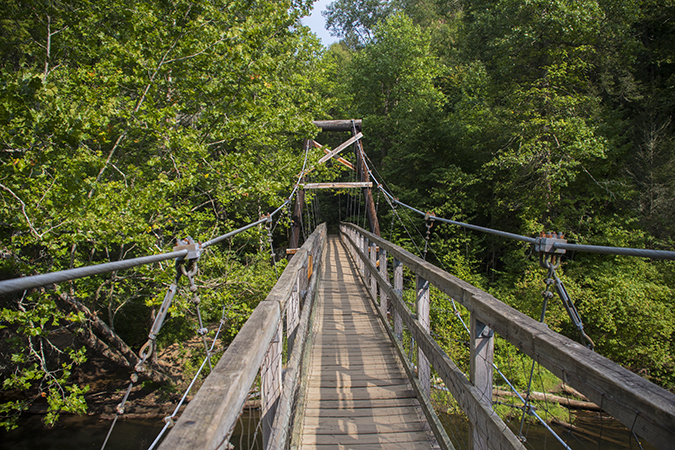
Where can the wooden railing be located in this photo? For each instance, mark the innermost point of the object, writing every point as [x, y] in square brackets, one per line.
[210, 417]
[641, 406]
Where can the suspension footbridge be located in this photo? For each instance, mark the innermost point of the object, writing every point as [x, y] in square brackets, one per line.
[343, 354]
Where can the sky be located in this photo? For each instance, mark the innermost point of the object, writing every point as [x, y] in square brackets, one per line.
[317, 22]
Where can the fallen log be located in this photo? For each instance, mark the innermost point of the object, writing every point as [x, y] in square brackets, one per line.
[542, 397]
[123, 354]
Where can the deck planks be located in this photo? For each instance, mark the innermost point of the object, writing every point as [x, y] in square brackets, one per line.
[357, 393]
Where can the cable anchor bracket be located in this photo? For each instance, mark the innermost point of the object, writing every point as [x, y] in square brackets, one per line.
[545, 246]
[193, 247]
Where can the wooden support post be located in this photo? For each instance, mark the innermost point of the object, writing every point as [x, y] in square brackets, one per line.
[423, 307]
[482, 352]
[398, 288]
[293, 315]
[270, 375]
[366, 249]
[362, 245]
[373, 280]
[384, 304]
[296, 219]
[364, 176]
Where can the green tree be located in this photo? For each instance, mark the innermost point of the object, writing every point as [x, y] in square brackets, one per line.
[126, 125]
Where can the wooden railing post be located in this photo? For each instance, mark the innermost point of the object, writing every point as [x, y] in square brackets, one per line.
[362, 246]
[384, 305]
[293, 315]
[270, 375]
[398, 288]
[482, 351]
[423, 307]
[373, 280]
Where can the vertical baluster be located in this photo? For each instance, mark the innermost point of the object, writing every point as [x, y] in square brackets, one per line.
[482, 353]
[384, 306]
[293, 315]
[270, 374]
[423, 306]
[373, 280]
[398, 288]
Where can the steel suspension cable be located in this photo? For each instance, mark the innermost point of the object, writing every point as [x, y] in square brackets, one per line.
[604, 250]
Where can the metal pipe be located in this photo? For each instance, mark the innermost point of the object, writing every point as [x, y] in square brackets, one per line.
[20, 284]
[605, 250]
[625, 251]
[472, 227]
[232, 233]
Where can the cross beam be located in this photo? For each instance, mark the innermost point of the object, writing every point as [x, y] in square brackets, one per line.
[363, 184]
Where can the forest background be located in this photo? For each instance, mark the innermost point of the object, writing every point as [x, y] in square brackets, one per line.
[126, 125]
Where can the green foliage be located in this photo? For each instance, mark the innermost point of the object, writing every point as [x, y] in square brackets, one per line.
[530, 116]
[126, 125]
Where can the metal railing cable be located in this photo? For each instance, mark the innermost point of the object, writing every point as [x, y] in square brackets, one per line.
[20, 284]
[527, 408]
[604, 250]
[35, 281]
[169, 421]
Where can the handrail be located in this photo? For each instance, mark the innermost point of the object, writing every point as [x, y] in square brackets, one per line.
[34, 281]
[469, 398]
[640, 405]
[212, 414]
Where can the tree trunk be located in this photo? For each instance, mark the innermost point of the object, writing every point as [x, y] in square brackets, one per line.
[122, 354]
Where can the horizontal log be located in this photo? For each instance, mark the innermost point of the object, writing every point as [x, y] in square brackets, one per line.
[640, 405]
[544, 397]
[364, 184]
[338, 125]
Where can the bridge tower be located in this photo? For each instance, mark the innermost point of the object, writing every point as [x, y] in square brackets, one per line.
[361, 168]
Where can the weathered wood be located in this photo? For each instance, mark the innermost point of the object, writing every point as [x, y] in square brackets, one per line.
[270, 381]
[340, 147]
[212, 413]
[543, 397]
[361, 166]
[355, 375]
[340, 185]
[293, 315]
[370, 439]
[384, 305]
[294, 368]
[423, 310]
[398, 288]
[483, 417]
[401, 410]
[480, 372]
[339, 159]
[367, 446]
[373, 281]
[640, 405]
[296, 218]
[338, 125]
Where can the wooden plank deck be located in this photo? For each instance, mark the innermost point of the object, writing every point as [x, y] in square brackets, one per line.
[357, 393]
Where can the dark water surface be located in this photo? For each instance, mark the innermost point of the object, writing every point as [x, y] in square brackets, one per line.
[591, 432]
[73, 432]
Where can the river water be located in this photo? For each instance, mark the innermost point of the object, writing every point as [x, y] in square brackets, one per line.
[73, 432]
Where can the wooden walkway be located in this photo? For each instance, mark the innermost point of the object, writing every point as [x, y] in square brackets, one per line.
[357, 393]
